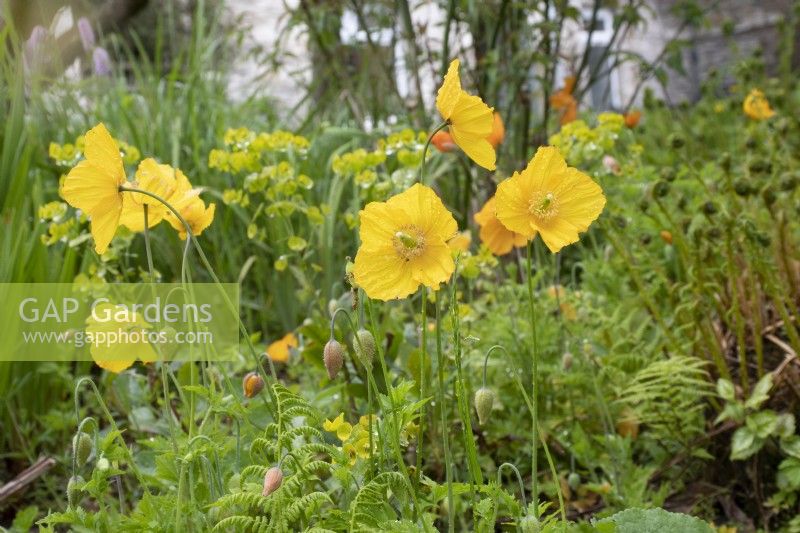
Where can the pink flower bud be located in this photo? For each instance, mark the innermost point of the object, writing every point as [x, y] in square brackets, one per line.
[272, 481]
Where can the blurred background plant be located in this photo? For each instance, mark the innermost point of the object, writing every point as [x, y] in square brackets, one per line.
[669, 336]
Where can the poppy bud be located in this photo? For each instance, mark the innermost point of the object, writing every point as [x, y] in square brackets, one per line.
[769, 196]
[333, 357]
[82, 448]
[666, 236]
[529, 524]
[74, 491]
[566, 361]
[484, 399]
[252, 384]
[103, 464]
[365, 347]
[272, 481]
[574, 480]
[628, 425]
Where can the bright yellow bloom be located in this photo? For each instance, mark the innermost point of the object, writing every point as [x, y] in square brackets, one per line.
[493, 233]
[118, 356]
[93, 186]
[188, 203]
[470, 120]
[339, 426]
[549, 198]
[278, 351]
[404, 244]
[158, 179]
[756, 106]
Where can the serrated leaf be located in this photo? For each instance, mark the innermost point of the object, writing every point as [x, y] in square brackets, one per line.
[744, 444]
[763, 424]
[726, 390]
[655, 521]
[760, 392]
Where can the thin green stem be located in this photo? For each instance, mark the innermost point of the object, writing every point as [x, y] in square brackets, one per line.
[534, 384]
[421, 172]
[423, 346]
[443, 415]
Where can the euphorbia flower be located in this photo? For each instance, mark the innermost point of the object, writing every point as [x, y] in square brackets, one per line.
[493, 233]
[549, 198]
[468, 117]
[93, 185]
[404, 244]
[756, 106]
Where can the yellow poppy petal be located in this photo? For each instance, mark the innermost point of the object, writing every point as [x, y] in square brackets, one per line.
[103, 227]
[154, 178]
[425, 210]
[434, 266]
[91, 188]
[450, 91]
[513, 206]
[102, 150]
[383, 275]
[477, 148]
[471, 117]
[132, 215]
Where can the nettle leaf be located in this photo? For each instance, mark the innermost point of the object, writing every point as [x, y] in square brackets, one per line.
[726, 390]
[760, 392]
[789, 474]
[655, 521]
[763, 424]
[732, 411]
[786, 425]
[744, 444]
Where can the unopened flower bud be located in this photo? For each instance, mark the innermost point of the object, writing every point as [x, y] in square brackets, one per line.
[769, 196]
[566, 361]
[365, 347]
[333, 357]
[529, 524]
[484, 399]
[666, 236]
[252, 384]
[574, 480]
[103, 464]
[272, 481]
[742, 187]
[82, 448]
[74, 491]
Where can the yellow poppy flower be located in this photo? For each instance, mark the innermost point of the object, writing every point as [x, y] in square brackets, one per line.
[469, 119]
[93, 185]
[278, 351]
[756, 106]
[117, 356]
[493, 233]
[549, 198]
[404, 244]
[339, 426]
[188, 203]
[158, 179]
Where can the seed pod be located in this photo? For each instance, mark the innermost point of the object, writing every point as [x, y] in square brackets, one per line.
[82, 448]
[333, 357]
[272, 481]
[484, 399]
[252, 384]
[74, 491]
[365, 347]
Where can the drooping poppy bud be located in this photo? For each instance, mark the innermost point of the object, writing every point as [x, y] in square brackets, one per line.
[74, 491]
[333, 357]
[252, 384]
[82, 448]
[272, 481]
[365, 347]
[484, 399]
[666, 236]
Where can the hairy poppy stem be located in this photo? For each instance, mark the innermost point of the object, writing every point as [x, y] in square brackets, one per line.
[436, 130]
[534, 385]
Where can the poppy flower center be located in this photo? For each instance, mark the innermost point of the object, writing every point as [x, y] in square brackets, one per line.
[543, 206]
[409, 242]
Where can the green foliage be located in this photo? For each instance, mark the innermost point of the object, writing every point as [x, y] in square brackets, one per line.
[654, 521]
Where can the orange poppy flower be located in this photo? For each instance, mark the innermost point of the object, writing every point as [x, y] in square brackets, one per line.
[494, 234]
[444, 142]
[565, 102]
[632, 118]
